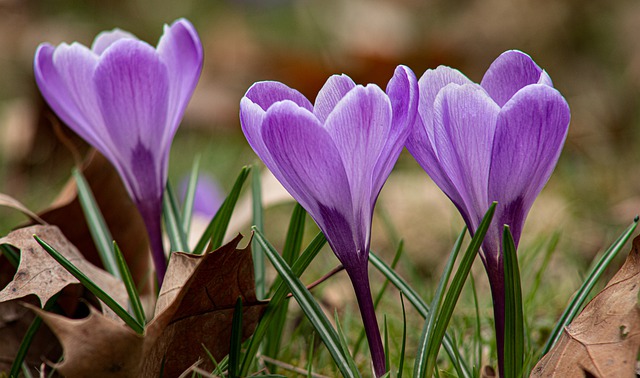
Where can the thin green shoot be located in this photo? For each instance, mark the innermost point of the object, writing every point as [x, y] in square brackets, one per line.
[258, 222]
[132, 291]
[514, 318]
[190, 196]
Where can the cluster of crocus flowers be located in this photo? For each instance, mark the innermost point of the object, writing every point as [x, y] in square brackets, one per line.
[334, 157]
[497, 141]
[127, 98]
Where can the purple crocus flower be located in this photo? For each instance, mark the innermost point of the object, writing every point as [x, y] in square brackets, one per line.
[497, 141]
[126, 98]
[333, 158]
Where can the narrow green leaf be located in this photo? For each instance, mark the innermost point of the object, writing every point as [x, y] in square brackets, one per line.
[236, 340]
[277, 299]
[310, 355]
[378, 298]
[172, 221]
[583, 292]
[11, 253]
[214, 234]
[514, 321]
[190, 196]
[478, 334]
[132, 291]
[18, 361]
[423, 358]
[420, 306]
[404, 337]
[343, 341]
[92, 287]
[386, 344]
[455, 288]
[258, 222]
[311, 309]
[551, 247]
[97, 225]
[290, 253]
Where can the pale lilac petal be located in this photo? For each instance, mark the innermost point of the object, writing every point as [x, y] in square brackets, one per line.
[107, 38]
[510, 72]
[531, 130]
[181, 51]
[464, 126]
[312, 171]
[267, 93]
[132, 86]
[402, 91]
[420, 142]
[331, 93]
[360, 125]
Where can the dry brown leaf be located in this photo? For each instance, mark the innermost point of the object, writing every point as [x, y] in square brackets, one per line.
[122, 218]
[8, 201]
[41, 275]
[195, 308]
[603, 340]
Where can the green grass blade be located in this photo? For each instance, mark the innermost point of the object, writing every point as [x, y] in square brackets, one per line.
[423, 358]
[311, 309]
[290, 253]
[97, 225]
[378, 298]
[92, 287]
[387, 351]
[190, 196]
[404, 337]
[583, 292]
[276, 301]
[513, 312]
[132, 291]
[18, 361]
[236, 340]
[172, 221]
[343, 341]
[11, 254]
[258, 222]
[553, 244]
[422, 308]
[455, 288]
[310, 355]
[214, 234]
[478, 331]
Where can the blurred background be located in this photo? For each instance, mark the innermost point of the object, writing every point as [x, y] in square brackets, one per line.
[591, 50]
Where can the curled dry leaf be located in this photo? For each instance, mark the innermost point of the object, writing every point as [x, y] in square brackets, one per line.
[41, 275]
[603, 340]
[8, 201]
[119, 212]
[195, 308]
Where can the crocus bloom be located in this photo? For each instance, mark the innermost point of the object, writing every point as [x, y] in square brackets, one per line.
[208, 196]
[333, 158]
[497, 141]
[126, 98]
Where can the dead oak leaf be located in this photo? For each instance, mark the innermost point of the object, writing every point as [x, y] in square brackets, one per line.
[41, 275]
[195, 308]
[603, 340]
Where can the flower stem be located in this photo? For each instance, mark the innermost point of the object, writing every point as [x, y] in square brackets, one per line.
[151, 214]
[495, 272]
[360, 281]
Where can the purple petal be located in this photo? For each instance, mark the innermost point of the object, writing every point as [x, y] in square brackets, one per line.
[464, 126]
[331, 93]
[510, 72]
[64, 76]
[181, 51]
[402, 91]
[530, 133]
[132, 86]
[421, 140]
[360, 126]
[267, 93]
[107, 38]
[311, 169]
